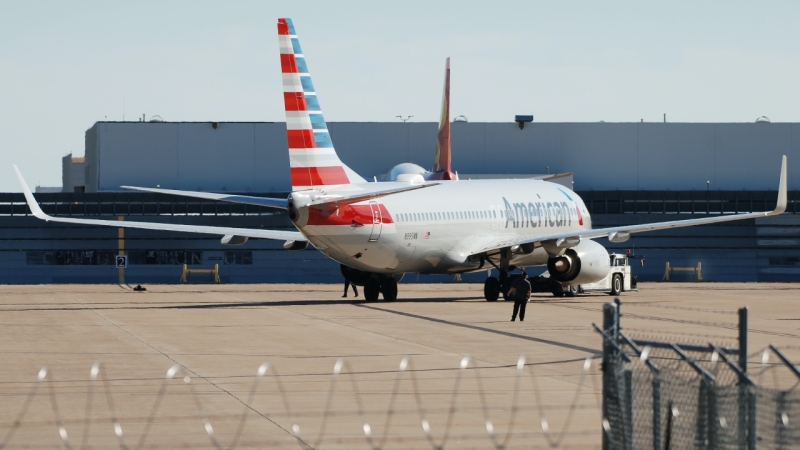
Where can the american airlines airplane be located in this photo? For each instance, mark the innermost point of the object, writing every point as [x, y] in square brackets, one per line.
[424, 224]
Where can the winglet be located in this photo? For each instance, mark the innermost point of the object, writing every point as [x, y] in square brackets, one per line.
[782, 197]
[35, 209]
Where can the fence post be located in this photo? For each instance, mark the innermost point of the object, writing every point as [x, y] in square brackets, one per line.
[752, 424]
[628, 380]
[712, 421]
[701, 426]
[628, 411]
[657, 412]
[609, 316]
[746, 421]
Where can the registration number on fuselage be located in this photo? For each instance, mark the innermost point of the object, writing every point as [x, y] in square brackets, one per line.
[410, 236]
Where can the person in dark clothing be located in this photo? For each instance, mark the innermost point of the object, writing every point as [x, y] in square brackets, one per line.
[520, 292]
[347, 285]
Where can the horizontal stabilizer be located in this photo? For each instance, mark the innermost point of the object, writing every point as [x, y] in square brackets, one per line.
[333, 202]
[281, 203]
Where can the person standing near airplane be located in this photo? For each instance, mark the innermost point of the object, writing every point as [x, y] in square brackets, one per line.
[521, 292]
[347, 285]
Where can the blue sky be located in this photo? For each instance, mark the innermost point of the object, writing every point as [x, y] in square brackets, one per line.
[66, 65]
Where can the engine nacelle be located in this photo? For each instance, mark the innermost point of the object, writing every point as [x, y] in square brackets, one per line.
[587, 262]
[405, 171]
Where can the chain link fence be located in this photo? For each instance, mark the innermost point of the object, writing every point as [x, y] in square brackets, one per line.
[660, 395]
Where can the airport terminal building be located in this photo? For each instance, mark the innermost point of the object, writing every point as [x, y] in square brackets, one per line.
[626, 173]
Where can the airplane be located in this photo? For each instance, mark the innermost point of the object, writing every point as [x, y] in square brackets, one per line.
[442, 162]
[380, 231]
[442, 166]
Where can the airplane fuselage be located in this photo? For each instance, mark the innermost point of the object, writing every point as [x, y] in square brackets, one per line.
[432, 230]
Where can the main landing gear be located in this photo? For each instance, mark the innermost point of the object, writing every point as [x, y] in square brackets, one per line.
[377, 285]
[374, 284]
[494, 287]
[491, 289]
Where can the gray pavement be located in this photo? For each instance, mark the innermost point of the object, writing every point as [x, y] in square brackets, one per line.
[221, 334]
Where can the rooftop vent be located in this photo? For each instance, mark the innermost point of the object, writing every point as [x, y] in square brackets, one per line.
[521, 120]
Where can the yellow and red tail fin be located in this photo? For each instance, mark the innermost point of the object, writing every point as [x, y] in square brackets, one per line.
[442, 165]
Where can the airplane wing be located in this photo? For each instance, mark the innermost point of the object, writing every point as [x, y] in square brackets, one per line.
[281, 203]
[621, 234]
[224, 231]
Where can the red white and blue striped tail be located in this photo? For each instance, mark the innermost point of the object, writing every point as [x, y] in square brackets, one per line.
[312, 158]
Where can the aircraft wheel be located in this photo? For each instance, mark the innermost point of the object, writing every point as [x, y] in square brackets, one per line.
[389, 289]
[505, 285]
[572, 291]
[491, 289]
[616, 285]
[372, 288]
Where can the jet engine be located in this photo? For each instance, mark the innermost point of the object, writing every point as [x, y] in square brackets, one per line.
[405, 169]
[587, 262]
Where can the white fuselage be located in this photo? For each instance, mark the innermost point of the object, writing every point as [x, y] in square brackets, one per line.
[437, 229]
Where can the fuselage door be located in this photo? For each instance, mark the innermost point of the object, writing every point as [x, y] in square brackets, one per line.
[377, 221]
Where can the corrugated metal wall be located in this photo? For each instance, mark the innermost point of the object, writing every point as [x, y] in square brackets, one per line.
[605, 156]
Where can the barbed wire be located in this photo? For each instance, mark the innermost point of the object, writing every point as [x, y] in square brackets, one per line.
[436, 439]
[681, 308]
[649, 331]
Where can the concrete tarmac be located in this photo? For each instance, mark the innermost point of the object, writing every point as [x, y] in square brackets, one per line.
[219, 336]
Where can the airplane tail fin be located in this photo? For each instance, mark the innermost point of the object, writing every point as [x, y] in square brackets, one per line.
[442, 163]
[312, 159]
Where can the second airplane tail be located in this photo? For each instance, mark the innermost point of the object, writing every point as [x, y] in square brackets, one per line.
[442, 165]
[312, 159]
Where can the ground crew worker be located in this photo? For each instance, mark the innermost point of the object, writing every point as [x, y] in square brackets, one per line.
[520, 292]
[347, 285]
